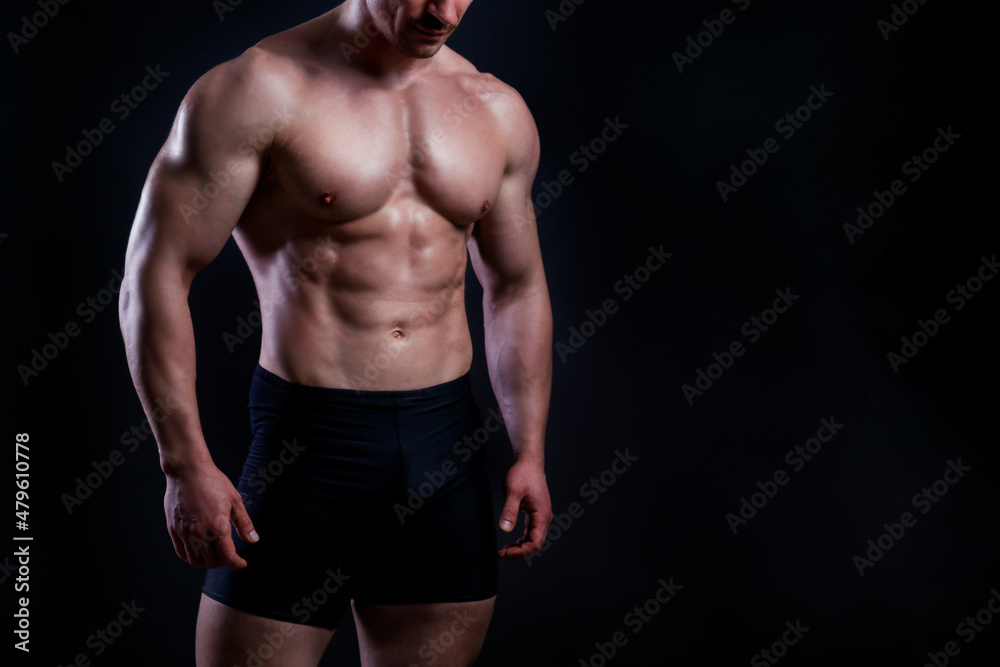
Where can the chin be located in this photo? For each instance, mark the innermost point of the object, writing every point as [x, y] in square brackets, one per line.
[419, 50]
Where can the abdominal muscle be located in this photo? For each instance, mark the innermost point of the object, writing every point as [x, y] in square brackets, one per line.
[371, 304]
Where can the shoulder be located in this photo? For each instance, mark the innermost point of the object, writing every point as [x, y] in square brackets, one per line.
[509, 112]
[251, 91]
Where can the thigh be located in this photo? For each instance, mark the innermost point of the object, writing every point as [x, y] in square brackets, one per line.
[444, 634]
[228, 637]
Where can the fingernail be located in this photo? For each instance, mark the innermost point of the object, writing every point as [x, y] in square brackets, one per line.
[253, 536]
[506, 525]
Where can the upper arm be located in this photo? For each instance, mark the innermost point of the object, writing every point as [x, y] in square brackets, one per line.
[504, 245]
[203, 177]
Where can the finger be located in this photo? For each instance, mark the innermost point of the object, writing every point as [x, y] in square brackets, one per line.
[213, 536]
[211, 558]
[511, 545]
[194, 559]
[508, 515]
[206, 554]
[196, 549]
[178, 546]
[515, 550]
[228, 557]
[538, 525]
[241, 519]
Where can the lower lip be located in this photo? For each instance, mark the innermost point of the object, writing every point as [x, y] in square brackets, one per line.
[430, 35]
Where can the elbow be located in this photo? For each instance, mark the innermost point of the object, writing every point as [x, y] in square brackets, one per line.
[124, 301]
[503, 293]
[127, 304]
[526, 301]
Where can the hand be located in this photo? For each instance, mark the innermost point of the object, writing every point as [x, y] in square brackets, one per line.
[528, 492]
[199, 504]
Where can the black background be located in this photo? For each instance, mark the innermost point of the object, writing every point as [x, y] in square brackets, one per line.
[665, 517]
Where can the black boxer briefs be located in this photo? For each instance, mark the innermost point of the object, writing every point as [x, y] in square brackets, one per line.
[364, 495]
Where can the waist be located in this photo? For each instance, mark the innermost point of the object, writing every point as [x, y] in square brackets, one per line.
[299, 395]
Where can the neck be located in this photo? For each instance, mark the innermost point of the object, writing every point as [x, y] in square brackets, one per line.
[360, 40]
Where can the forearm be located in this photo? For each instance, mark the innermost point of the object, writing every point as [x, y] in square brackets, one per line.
[159, 342]
[519, 358]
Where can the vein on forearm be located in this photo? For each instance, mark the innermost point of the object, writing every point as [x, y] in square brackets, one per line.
[519, 357]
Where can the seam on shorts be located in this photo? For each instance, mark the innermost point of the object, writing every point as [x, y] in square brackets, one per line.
[478, 597]
[266, 613]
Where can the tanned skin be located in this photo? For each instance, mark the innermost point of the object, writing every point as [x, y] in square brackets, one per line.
[355, 159]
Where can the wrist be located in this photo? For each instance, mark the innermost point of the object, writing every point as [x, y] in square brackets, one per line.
[530, 458]
[175, 465]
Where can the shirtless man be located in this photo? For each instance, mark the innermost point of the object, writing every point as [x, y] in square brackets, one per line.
[355, 159]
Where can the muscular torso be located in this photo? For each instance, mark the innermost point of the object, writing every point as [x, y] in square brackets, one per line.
[356, 234]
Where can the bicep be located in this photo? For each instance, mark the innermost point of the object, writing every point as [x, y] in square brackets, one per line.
[504, 246]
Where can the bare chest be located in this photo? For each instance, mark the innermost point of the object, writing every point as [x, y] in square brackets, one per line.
[346, 156]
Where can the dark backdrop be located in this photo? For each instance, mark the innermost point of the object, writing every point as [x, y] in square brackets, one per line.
[717, 512]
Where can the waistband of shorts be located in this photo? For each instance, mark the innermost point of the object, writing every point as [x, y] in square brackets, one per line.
[452, 388]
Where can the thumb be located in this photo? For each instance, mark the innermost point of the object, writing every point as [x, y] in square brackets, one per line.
[508, 515]
[244, 526]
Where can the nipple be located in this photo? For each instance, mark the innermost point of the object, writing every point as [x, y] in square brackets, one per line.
[329, 197]
[485, 207]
